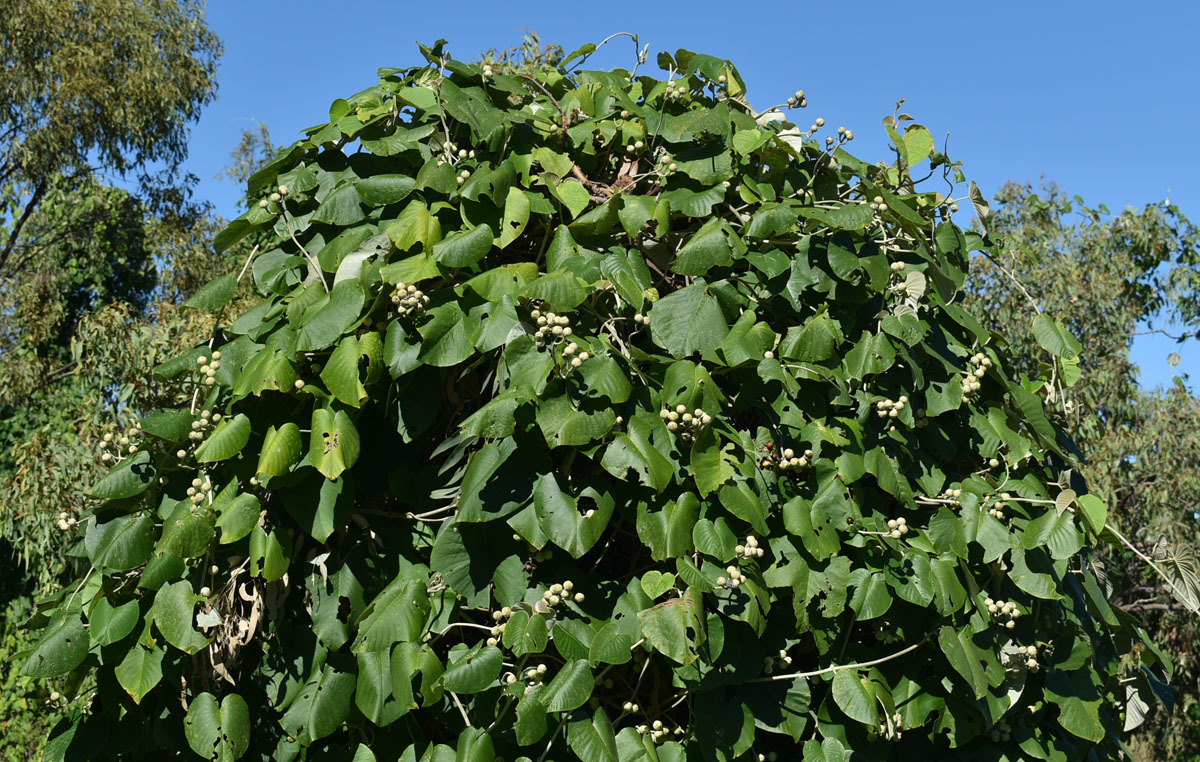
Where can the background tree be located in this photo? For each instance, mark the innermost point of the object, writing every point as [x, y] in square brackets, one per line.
[93, 92]
[1108, 277]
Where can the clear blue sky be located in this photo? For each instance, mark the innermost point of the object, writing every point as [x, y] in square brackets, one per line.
[1100, 97]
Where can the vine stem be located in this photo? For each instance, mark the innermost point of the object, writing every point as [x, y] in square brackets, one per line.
[246, 266]
[316, 268]
[838, 667]
[461, 710]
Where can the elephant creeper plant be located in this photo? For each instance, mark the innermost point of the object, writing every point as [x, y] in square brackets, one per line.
[594, 415]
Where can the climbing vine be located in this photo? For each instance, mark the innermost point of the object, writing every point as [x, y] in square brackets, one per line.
[595, 415]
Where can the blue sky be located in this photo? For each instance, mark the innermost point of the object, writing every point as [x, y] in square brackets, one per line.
[1100, 97]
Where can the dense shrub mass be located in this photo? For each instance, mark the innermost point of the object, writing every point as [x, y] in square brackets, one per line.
[594, 415]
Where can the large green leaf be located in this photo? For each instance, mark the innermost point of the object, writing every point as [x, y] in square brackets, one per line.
[1056, 532]
[688, 321]
[963, 656]
[707, 248]
[333, 445]
[140, 671]
[128, 479]
[62, 647]
[215, 294]
[1055, 338]
[333, 319]
[445, 339]
[322, 706]
[108, 624]
[188, 531]
[855, 696]
[120, 544]
[226, 440]
[396, 614]
[280, 450]
[172, 613]
[219, 732]
[673, 628]
[570, 688]
[473, 671]
[464, 249]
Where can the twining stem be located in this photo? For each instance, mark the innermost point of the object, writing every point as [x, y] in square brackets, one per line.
[838, 667]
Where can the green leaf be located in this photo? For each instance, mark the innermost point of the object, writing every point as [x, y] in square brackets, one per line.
[1034, 581]
[570, 688]
[341, 374]
[373, 688]
[1078, 703]
[320, 506]
[343, 208]
[332, 320]
[1035, 414]
[396, 615]
[525, 633]
[269, 553]
[855, 697]
[747, 142]
[851, 216]
[1054, 531]
[215, 294]
[411, 270]
[473, 671]
[654, 583]
[591, 737]
[445, 338]
[381, 190]
[120, 544]
[516, 216]
[560, 290]
[188, 531]
[688, 321]
[962, 654]
[740, 500]
[172, 613]
[712, 467]
[918, 144]
[531, 716]
[1054, 337]
[673, 628]
[238, 517]
[108, 624]
[169, 425]
[129, 479]
[140, 671]
[562, 424]
[707, 248]
[829, 750]
[280, 450]
[416, 224]
[464, 249]
[62, 647]
[714, 539]
[1095, 511]
[226, 440]
[333, 445]
[574, 196]
[633, 456]
[322, 706]
[816, 340]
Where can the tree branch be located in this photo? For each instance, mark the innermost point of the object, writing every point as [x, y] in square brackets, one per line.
[38, 193]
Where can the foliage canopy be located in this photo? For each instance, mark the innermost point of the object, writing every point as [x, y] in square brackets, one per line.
[592, 414]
